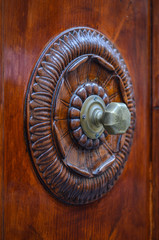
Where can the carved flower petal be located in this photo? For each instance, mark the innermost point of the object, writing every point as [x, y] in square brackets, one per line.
[41, 96]
[83, 140]
[46, 155]
[46, 165]
[73, 45]
[61, 51]
[96, 143]
[38, 88]
[77, 133]
[104, 63]
[77, 63]
[43, 142]
[49, 58]
[74, 113]
[95, 88]
[104, 165]
[43, 73]
[75, 123]
[50, 69]
[50, 168]
[67, 48]
[41, 128]
[58, 58]
[50, 178]
[101, 92]
[76, 102]
[56, 177]
[45, 83]
[82, 93]
[88, 87]
[89, 144]
[41, 113]
[38, 103]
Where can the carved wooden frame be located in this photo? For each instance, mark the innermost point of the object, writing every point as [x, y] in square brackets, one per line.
[58, 57]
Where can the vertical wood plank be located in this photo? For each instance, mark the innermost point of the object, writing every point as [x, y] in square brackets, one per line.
[155, 52]
[155, 175]
[155, 119]
[1, 120]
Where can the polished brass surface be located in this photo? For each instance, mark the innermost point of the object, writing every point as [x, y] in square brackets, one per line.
[96, 117]
[116, 118]
[92, 105]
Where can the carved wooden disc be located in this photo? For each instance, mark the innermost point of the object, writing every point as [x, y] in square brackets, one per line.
[78, 63]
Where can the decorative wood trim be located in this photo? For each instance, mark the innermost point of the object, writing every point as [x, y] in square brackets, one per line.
[45, 137]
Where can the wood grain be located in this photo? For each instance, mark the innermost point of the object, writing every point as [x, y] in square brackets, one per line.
[155, 120]
[29, 212]
[155, 175]
[155, 52]
[56, 87]
[1, 121]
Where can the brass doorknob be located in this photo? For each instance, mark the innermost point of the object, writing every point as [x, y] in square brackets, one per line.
[96, 117]
[115, 118]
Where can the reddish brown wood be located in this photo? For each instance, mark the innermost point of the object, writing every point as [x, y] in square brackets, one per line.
[1, 122]
[78, 64]
[155, 120]
[29, 212]
[155, 52]
[155, 167]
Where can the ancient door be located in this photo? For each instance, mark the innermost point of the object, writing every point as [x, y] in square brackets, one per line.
[130, 209]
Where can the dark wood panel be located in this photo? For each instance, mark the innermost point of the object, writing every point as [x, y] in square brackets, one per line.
[155, 119]
[155, 167]
[29, 211]
[1, 125]
[155, 52]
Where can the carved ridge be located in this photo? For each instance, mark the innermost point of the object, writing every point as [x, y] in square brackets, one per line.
[58, 179]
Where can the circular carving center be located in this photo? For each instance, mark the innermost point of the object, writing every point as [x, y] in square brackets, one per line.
[91, 108]
[85, 100]
[76, 165]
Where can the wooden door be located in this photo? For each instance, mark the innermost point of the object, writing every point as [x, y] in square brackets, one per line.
[28, 211]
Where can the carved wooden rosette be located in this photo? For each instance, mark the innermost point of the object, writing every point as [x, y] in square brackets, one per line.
[76, 103]
[78, 63]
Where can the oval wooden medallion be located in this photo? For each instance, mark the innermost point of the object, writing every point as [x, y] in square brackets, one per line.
[78, 63]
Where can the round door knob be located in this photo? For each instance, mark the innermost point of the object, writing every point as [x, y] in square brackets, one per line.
[96, 117]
